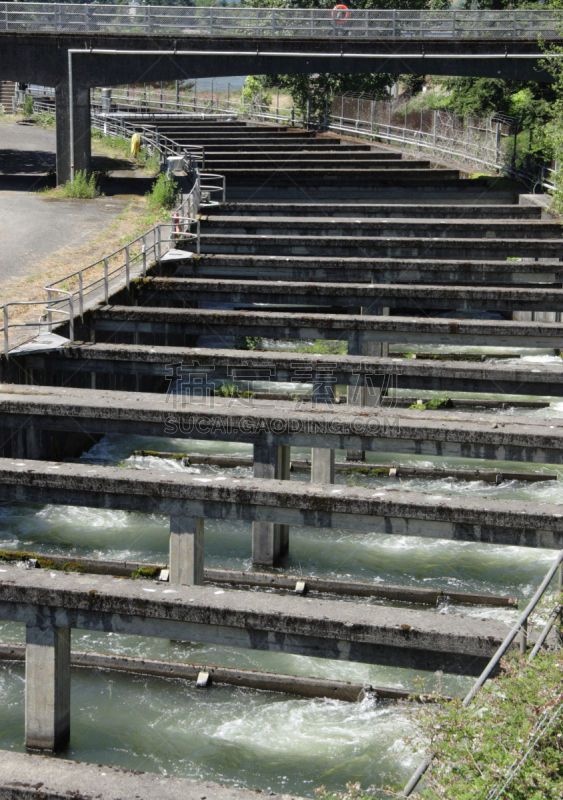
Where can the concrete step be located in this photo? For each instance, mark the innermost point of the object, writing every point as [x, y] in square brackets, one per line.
[380, 246]
[119, 323]
[377, 210]
[361, 187]
[283, 146]
[364, 270]
[315, 164]
[350, 174]
[218, 159]
[188, 292]
[119, 367]
[411, 228]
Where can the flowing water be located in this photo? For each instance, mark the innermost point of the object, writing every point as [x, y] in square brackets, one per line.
[240, 736]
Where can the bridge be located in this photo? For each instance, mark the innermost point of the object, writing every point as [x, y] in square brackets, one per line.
[109, 44]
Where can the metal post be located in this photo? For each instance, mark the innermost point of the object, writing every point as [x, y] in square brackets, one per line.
[106, 281]
[71, 318]
[198, 230]
[228, 97]
[497, 144]
[394, 22]
[523, 639]
[292, 116]
[434, 126]
[211, 20]
[342, 111]
[273, 22]
[144, 254]
[49, 312]
[389, 123]
[158, 245]
[278, 103]
[6, 338]
[177, 95]
[80, 296]
[372, 113]
[309, 111]
[148, 20]
[127, 267]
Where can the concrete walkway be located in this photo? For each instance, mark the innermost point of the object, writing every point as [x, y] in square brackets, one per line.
[33, 227]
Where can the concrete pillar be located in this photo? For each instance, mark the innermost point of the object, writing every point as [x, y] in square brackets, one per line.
[366, 396]
[186, 549]
[322, 465]
[270, 541]
[82, 132]
[322, 458]
[47, 686]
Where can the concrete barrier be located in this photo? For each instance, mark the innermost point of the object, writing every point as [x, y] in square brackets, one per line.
[52, 604]
[187, 292]
[117, 322]
[32, 777]
[506, 229]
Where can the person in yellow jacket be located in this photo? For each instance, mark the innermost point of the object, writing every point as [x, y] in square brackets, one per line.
[135, 143]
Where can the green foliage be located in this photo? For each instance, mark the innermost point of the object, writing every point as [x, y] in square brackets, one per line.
[82, 186]
[163, 193]
[477, 746]
[254, 95]
[145, 573]
[228, 389]
[248, 343]
[434, 404]
[27, 107]
[45, 119]
[325, 348]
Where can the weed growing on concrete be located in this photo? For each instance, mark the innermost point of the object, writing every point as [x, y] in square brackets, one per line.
[325, 348]
[145, 573]
[163, 193]
[248, 343]
[45, 119]
[434, 404]
[227, 389]
[83, 187]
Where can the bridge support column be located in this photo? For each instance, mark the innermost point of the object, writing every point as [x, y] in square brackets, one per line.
[366, 396]
[82, 132]
[186, 549]
[47, 686]
[270, 541]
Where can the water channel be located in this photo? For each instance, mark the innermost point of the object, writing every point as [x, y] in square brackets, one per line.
[241, 736]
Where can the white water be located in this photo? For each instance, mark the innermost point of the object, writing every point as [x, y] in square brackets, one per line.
[259, 739]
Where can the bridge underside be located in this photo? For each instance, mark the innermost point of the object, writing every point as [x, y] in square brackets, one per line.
[43, 59]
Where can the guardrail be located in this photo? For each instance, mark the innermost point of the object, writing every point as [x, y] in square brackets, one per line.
[106, 274]
[468, 149]
[274, 22]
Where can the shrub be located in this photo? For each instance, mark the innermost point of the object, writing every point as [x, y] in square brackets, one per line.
[82, 186]
[27, 107]
[163, 193]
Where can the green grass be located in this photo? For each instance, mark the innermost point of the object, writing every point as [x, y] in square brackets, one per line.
[82, 187]
[163, 193]
[248, 343]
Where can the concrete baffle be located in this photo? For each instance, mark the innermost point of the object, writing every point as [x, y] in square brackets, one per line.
[186, 549]
[47, 685]
[270, 540]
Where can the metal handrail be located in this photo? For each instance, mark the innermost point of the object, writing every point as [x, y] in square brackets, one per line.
[518, 24]
[134, 253]
[519, 627]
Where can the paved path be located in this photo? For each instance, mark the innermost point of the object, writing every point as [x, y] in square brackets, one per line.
[31, 226]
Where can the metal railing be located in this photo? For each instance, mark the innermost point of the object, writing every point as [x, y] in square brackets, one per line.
[482, 142]
[118, 268]
[271, 22]
[520, 628]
